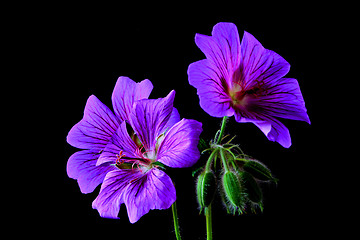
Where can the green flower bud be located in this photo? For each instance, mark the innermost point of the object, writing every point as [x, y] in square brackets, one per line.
[258, 170]
[253, 190]
[234, 192]
[205, 188]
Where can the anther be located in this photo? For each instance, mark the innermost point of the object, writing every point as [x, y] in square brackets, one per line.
[119, 161]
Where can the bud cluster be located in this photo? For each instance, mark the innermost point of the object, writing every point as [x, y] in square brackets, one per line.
[235, 175]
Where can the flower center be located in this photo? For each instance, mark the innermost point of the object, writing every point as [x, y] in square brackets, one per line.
[145, 159]
[241, 95]
[124, 162]
[238, 95]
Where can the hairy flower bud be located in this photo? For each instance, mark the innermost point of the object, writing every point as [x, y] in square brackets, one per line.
[258, 170]
[253, 190]
[234, 191]
[205, 188]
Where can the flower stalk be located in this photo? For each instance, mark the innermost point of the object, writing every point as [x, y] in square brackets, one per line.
[208, 217]
[208, 214]
[222, 129]
[176, 221]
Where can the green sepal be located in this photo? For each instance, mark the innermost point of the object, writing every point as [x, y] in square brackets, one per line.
[203, 145]
[159, 164]
[196, 170]
[124, 165]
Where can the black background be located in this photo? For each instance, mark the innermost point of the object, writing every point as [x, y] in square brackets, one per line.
[85, 48]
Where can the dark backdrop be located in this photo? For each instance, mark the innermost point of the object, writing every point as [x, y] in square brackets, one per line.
[91, 47]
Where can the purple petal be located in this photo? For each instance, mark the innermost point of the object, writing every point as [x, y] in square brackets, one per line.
[96, 128]
[215, 55]
[174, 118]
[279, 133]
[179, 147]
[139, 191]
[149, 118]
[282, 99]
[211, 88]
[227, 37]
[265, 127]
[154, 190]
[111, 193]
[222, 49]
[273, 129]
[120, 141]
[126, 92]
[259, 65]
[82, 166]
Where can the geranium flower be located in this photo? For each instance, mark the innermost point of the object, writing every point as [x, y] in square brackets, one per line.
[96, 128]
[246, 80]
[126, 150]
[152, 135]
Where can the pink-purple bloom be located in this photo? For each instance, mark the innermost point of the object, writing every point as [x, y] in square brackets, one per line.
[126, 149]
[247, 81]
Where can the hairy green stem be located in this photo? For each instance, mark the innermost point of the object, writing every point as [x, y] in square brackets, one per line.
[176, 221]
[208, 214]
[223, 160]
[208, 222]
[222, 129]
[210, 160]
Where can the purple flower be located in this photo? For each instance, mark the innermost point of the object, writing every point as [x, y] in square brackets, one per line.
[97, 127]
[153, 134]
[246, 80]
[126, 150]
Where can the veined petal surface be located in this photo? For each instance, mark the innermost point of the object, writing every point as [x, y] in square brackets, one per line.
[82, 166]
[153, 190]
[179, 147]
[111, 193]
[259, 65]
[126, 93]
[226, 35]
[282, 99]
[96, 128]
[140, 192]
[120, 141]
[211, 88]
[149, 118]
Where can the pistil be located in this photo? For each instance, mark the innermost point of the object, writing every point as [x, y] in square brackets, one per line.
[124, 162]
